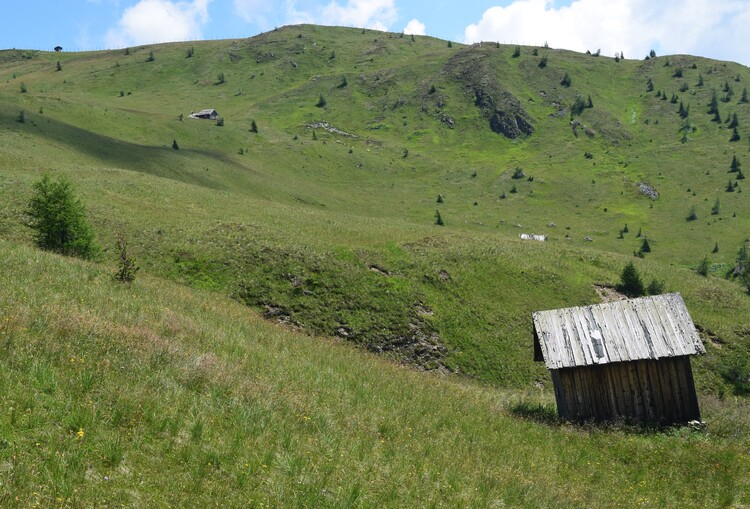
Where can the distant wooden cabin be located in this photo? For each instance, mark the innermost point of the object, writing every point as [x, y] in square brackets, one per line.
[628, 359]
[205, 114]
[58, 49]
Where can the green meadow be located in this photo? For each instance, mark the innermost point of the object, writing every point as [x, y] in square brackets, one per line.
[301, 332]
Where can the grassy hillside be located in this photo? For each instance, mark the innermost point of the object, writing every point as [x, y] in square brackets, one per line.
[333, 232]
[159, 395]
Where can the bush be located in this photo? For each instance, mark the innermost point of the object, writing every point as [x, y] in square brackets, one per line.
[630, 282]
[190, 52]
[693, 215]
[175, 145]
[21, 119]
[253, 126]
[150, 56]
[543, 62]
[59, 220]
[655, 287]
[518, 173]
[703, 267]
[566, 81]
[517, 52]
[735, 135]
[438, 219]
[321, 102]
[126, 265]
[220, 78]
[58, 67]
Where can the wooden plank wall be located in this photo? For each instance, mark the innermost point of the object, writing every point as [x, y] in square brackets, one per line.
[648, 391]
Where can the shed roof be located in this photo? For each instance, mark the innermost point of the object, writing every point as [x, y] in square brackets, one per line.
[628, 330]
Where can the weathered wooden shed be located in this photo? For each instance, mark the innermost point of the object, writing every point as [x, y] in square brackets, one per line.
[209, 114]
[625, 359]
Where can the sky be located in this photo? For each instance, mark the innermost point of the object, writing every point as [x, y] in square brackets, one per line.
[710, 28]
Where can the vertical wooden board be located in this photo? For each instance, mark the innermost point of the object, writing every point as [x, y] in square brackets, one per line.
[614, 373]
[646, 389]
[562, 407]
[635, 388]
[677, 391]
[660, 400]
[611, 391]
[695, 411]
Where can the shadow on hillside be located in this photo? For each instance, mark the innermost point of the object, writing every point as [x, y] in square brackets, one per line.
[547, 414]
[163, 162]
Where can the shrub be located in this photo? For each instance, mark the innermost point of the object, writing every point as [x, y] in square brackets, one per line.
[22, 88]
[692, 215]
[175, 145]
[126, 265]
[744, 98]
[518, 173]
[700, 80]
[440, 198]
[220, 78]
[578, 106]
[735, 135]
[190, 52]
[730, 187]
[716, 248]
[220, 121]
[58, 67]
[450, 44]
[438, 219]
[630, 281]
[517, 52]
[645, 246]
[589, 104]
[344, 82]
[734, 122]
[703, 267]
[566, 81]
[716, 208]
[59, 220]
[150, 56]
[655, 287]
[677, 73]
[543, 62]
[649, 85]
[321, 102]
[652, 54]
[21, 119]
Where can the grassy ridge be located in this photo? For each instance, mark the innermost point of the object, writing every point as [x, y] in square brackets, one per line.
[159, 395]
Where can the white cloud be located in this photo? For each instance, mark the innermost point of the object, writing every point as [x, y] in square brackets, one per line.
[704, 27]
[376, 14]
[151, 21]
[254, 11]
[414, 27]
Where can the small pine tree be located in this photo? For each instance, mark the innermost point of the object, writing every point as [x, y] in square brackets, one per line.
[700, 80]
[58, 66]
[535, 52]
[440, 198]
[314, 136]
[649, 85]
[677, 73]
[652, 54]
[190, 52]
[716, 248]
[253, 126]
[625, 228]
[175, 145]
[220, 121]
[127, 51]
[638, 235]
[517, 52]
[716, 208]
[744, 98]
[735, 166]
[21, 119]
[655, 287]
[321, 102]
[220, 78]
[735, 135]
[543, 62]
[630, 281]
[713, 106]
[438, 219]
[59, 219]
[692, 215]
[730, 187]
[734, 122]
[450, 44]
[22, 88]
[150, 56]
[740, 175]
[703, 267]
[589, 104]
[126, 265]
[645, 246]
[344, 82]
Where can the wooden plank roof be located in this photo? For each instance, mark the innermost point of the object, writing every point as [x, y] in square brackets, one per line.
[628, 330]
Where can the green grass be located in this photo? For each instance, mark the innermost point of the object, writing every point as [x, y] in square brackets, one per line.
[335, 237]
[155, 394]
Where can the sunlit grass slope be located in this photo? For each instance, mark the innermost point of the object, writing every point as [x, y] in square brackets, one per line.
[157, 395]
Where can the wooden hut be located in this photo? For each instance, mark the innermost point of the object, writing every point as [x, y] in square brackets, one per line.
[627, 359]
[209, 114]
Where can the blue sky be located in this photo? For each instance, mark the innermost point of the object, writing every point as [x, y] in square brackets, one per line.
[711, 28]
